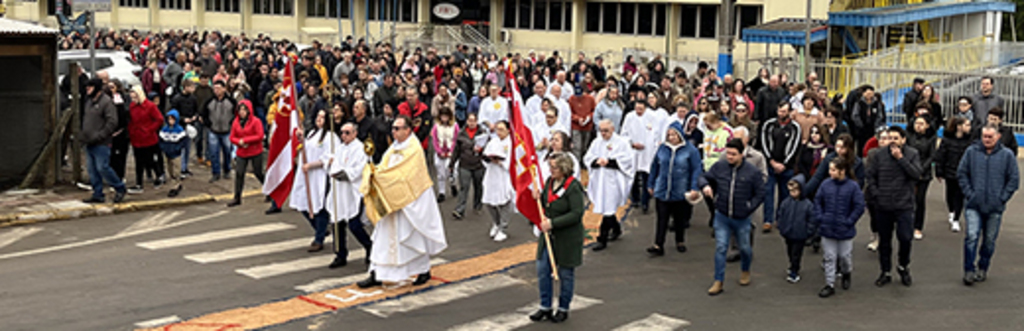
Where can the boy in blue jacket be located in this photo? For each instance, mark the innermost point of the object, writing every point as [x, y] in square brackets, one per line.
[173, 139]
[795, 224]
[838, 205]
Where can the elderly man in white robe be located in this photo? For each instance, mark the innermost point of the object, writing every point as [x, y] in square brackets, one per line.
[543, 131]
[408, 228]
[534, 110]
[609, 161]
[344, 201]
[642, 128]
[493, 109]
[564, 111]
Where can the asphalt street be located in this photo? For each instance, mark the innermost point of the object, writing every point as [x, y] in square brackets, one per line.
[109, 273]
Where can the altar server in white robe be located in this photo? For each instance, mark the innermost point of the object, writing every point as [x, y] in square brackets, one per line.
[312, 163]
[542, 132]
[642, 128]
[498, 190]
[493, 109]
[534, 111]
[610, 164]
[398, 198]
[344, 201]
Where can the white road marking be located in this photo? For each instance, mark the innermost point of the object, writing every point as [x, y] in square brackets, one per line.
[520, 318]
[281, 268]
[158, 322]
[324, 284]
[253, 250]
[110, 238]
[655, 322]
[214, 236]
[16, 234]
[441, 295]
[155, 220]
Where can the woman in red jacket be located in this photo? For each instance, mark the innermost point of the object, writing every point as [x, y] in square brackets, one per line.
[247, 136]
[143, 130]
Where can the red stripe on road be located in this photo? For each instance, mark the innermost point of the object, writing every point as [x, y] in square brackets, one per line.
[317, 303]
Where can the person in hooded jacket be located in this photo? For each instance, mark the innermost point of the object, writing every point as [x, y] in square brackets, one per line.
[119, 150]
[145, 123]
[867, 114]
[837, 207]
[173, 141]
[955, 140]
[673, 184]
[691, 130]
[796, 225]
[247, 136]
[923, 139]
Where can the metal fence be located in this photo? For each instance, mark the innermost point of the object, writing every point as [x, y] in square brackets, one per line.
[892, 84]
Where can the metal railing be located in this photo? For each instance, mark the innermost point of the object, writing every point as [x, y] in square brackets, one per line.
[891, 84]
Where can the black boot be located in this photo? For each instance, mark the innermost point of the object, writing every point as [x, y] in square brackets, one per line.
[272, 210]
[560, 316]
[540, 315]
[904, 276]
[234, 203]
[847, 279]
[369, 281]
[600, 247]
[422, 279]
[826, 291]
[656, 251]
[338, 263]
[883, 279]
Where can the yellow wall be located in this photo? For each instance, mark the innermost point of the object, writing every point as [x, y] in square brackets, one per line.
[223, 21]
[133, 17]
[176, 19]
[275, 25]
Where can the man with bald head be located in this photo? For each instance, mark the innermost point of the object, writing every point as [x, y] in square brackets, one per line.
[767, 100]
[564, 111]
[345, 203]
[534, 111]
[609, 161]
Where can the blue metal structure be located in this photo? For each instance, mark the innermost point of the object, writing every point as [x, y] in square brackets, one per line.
[895, 15]
[788, 31]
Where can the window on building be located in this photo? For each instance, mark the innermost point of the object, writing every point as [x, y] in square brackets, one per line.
[747, 16]
[593, 15]
[555, 15]
[224, 6]
[176, 4]
[327, 8]
[134, 3]
[640, 19]
[540, 15]
[549, 15]
[699, 21]
[510, 14]
[273, 7]
[406, 10]
[524, 13]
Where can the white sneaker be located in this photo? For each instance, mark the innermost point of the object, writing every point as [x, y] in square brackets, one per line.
[918, 235]
[873, 245]
[954, 226]
[500, 236]
[494, 230]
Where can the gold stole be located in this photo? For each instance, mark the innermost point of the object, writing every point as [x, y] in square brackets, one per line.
[386, 190]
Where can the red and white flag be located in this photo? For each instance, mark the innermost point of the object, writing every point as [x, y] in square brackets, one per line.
[524, 170]
[285, 141]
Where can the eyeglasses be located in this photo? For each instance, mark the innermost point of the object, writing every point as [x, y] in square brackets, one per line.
[397, 127]
[344, 132]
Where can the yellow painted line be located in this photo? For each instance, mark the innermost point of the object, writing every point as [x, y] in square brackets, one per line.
[303, 306]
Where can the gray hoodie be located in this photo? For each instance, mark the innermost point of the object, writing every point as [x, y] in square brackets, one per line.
[99, 120]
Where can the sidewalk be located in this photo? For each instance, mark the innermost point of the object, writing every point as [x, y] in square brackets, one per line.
[65, 201]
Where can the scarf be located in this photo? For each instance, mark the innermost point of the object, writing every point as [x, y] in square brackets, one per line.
[471, 132]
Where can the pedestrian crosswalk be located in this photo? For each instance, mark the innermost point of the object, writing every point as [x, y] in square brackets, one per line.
[520, 317]
[329, 283]
[214, 236]
[250, 251]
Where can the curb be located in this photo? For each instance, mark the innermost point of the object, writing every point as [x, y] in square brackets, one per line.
[8, 220]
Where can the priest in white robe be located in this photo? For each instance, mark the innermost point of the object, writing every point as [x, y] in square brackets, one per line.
[642, 128]
[408, 228]
[344, 202]
[610, 163]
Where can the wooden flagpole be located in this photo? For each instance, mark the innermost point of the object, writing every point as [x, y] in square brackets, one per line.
[547, 235]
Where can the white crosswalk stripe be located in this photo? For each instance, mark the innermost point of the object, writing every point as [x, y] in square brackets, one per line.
[441, 295]
[252, 250]
[214, 236]
[281, 268]
[329, 283]
[16, 234]
[520, 318]
[654, 322]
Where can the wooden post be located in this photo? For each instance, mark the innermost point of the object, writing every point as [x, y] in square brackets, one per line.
[76, 124]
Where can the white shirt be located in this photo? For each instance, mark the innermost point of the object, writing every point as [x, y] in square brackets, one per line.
[564, 111]
[645, 130]
[534, 114]
[567, 90]
[498, 188]
[344, 201]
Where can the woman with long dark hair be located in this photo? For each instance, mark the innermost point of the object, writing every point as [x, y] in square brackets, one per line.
[955, 140]
[922, 138]
[309, 189]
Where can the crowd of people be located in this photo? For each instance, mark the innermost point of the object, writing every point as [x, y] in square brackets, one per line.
[815, 163]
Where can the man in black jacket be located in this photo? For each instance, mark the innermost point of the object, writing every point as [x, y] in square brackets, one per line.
[737, 189]
[99, 120]
[890, 181]
[910, 99]
[780, 139]
[868, 114]
[370, 131]
[767, 98]
[1007, 138]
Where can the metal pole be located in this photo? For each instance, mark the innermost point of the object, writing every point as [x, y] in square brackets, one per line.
[807, 41]
[92, 43]
[725, 38]
[1013, 27]
[337, 10]
[828, 43]
[352, 12]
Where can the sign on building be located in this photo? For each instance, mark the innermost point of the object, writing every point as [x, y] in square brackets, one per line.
[90, 5]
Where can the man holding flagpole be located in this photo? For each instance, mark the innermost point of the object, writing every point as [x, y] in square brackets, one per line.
[398, 199]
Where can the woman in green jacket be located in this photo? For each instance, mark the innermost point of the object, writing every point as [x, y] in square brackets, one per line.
[562, 200]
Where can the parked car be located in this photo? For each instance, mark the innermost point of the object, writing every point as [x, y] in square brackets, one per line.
[118, 64]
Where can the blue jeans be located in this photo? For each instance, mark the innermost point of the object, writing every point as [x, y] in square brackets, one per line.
[566, 279]
[778, 180]
[219, 142]
[98, 164]
[184, 154]
[724, 229]
[319, 224]
[978, 223]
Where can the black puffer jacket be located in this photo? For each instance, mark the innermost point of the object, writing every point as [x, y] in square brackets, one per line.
[739, 190]
[891, 181]
[951, 150]
[925, 146]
